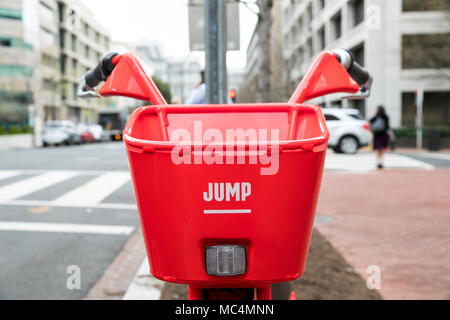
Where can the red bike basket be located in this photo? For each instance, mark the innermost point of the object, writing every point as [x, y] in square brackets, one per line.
[271, 215]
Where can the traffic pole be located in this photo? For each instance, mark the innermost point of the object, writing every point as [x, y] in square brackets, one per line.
[419, 119]
[216, 51]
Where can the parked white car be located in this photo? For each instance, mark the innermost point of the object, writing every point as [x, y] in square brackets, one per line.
[348, 130]
[60, 132]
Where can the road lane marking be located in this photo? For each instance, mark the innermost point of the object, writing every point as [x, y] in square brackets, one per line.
[440, 156]
[367, 162]
[24, 187]
[95, 190]
[65, 228]
[41, 171]
[39, 203]
[8, 174]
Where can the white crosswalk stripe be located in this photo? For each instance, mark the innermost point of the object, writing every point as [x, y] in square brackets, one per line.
[23, 187]
[365, 162]
[8, 174]
[89, 195]
[65, 228]
[95, 190]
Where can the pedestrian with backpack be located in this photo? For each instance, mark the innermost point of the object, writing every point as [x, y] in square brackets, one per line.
[379, 125]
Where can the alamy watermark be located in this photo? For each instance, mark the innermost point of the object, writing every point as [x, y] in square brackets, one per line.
[373, 17]
[235, 146]
[374, 280]
[73, 281]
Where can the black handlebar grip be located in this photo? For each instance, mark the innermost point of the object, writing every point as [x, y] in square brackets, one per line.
[94, 77]
[101, 72]
[359, 73]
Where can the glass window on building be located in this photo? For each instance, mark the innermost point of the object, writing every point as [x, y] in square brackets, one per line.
[61, 11]
[360, 105]
[63, 64]
[436, 109]
[74, 67]
[87, 51]
[8, 13]
[309, 13]
[5, 42]
[74, 91]
[428, 5]
[309, 46]
[336, 26]
[321, 38]
[74, 43]
[62, 38]
[321, 4]
[46, 12]
[358, 53]
[86, 29]
[64, 90]
[47, 37]
[7, 70]
[426, 51]
[357, 11]
[49, 85]
[49, 61]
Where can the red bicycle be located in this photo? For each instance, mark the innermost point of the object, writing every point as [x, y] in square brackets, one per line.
[227, 193]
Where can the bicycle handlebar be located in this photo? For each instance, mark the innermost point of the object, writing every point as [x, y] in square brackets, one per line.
[94, 76]
[355, 70]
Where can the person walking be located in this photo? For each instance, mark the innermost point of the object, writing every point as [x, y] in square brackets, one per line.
[379, 125]
[198, 94]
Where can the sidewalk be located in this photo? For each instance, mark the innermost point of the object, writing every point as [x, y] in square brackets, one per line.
[396, 219]
[16, 141]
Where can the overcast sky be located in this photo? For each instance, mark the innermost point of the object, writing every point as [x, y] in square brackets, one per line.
[165, 21]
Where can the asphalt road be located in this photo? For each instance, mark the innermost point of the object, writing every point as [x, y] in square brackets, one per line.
[439, 160]
[74, 206]
[40, 238]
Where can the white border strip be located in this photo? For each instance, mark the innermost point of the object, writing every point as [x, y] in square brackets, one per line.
[227, 211]
[65, 228]
[4, 174]
[37, 203]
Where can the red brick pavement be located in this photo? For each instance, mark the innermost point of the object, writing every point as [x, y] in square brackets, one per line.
[396, 219]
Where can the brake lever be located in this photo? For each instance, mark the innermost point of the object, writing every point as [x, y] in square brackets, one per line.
[363, 93]
[86, 92]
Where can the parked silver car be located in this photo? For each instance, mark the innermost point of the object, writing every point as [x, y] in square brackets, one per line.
[348, 130]
[60, 132]
[98, 132]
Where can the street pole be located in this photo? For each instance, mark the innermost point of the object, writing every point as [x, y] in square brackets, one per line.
[216, 51]
[264, 46]
[419, 119]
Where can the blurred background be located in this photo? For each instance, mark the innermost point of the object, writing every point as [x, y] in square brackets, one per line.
[62, 169]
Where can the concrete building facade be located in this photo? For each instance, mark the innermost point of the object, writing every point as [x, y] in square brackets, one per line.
[82, 43]
[403, 43]
[28, 59]
[279, 91]
[45, 48]
[182, 76]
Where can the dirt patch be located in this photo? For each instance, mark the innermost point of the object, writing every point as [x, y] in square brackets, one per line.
[327, 276]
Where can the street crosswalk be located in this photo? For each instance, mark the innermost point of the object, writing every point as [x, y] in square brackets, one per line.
[366, 162]
[102, 184]
[87, 195]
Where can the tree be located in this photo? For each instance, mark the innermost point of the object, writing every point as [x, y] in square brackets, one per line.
[164, 88]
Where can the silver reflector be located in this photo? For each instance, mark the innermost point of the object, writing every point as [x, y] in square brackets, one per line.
[226, 260]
